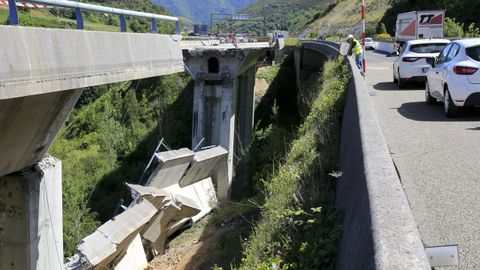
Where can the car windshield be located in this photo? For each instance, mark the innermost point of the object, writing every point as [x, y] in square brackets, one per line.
[427, 48]
[474, 53]
[368, 40]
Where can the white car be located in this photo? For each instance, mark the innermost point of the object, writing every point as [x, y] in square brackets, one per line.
[369, 44]
[455, 77]
[411, 64]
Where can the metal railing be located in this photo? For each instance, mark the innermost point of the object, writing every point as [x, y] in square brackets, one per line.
[78, 6]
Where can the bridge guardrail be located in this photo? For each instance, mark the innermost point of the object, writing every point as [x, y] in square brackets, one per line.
[379, 231]
[78, 6]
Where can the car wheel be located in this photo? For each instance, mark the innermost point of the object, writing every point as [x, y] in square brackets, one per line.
[400, 82]
[428, 97]
[451, 110]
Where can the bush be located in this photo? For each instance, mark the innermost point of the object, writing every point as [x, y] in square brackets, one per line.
[298, 228]
[385, 37]
[472, 31]
[452, 28]
[314, 33]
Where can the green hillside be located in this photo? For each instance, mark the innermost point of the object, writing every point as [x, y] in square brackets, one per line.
[286, 15]
[199, 10]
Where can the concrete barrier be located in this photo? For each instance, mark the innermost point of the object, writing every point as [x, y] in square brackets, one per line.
[39, 60]
[379, 231]
[384, 46]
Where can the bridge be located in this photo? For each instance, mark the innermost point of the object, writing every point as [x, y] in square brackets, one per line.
[43, 72]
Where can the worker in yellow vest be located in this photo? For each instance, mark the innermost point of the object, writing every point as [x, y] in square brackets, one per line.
[357, 50]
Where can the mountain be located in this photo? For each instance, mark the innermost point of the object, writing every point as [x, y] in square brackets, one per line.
[200, 10]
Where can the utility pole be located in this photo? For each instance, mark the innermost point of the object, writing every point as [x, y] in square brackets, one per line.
[364, 36]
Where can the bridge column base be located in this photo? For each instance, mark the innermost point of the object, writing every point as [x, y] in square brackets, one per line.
[214, 120]
[31, 228]
[246, 107]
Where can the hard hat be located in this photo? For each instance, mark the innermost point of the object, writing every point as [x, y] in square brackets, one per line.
[350, 36]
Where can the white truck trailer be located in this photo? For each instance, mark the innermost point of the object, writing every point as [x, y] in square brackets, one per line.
[420, 25]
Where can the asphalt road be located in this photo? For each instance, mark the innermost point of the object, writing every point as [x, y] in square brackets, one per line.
[438, 160]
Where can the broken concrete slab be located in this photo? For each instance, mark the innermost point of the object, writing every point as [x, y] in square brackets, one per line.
[109, 240]
[177, 209]
[202, 193]
[203, 165]
[134, 257]
[171, 167]
[154, 195]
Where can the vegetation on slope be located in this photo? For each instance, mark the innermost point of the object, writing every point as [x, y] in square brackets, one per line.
[284, 15]
[200, 10]
[345, 16]
[298, 227]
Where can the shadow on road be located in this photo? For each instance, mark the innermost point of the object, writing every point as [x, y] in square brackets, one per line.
[391, 86]
[386, 54]
[420, 111]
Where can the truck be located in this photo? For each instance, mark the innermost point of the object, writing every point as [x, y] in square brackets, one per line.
[420, 25]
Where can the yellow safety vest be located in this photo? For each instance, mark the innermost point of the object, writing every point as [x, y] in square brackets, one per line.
[358, 48]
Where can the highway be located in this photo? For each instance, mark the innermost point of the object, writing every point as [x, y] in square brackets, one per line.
[437, 160]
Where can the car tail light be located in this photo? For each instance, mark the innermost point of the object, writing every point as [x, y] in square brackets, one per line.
[410, 59]
[464, 70]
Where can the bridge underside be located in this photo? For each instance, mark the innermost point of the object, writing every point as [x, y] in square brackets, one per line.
[42, 72]
[29, 126]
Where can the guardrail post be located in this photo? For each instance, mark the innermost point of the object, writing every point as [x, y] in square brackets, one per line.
[123, 23]
[13, 14]
[154, 26]
[79, 17]
[177, 27]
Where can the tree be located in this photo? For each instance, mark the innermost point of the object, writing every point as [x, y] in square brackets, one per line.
[381, 29]
[370, 30]
[452, 28]
[472, 31]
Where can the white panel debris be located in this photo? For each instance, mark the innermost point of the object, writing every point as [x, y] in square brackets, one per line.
[203, 165]
[171, 167]
[134, 258]
[202, 193]
[154, 195]
[158, 209]
[177, 209]
[101, 247]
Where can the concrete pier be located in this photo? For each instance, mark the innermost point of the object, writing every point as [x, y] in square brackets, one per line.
[31, 228]
[223, 96]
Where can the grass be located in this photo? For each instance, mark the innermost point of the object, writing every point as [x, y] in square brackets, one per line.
[298, 226]
[292, 42]
[346, 14]
[42, 18]
[269, 74]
